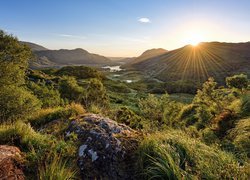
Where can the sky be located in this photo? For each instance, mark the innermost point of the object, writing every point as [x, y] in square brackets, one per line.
[125, 28]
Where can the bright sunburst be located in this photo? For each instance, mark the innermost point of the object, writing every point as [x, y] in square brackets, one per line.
[195, 39]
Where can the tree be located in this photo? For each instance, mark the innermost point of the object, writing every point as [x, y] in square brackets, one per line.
[69, 89]
[47, 94]
[239, 81]
[95, 93]
[15, 99]
[13, 59]
[152, 107]
[16, 103]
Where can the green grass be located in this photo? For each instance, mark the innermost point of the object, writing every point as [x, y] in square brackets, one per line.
[44, 116]
[35, 146]
[174, 155]
[240, 137]
[56, 168]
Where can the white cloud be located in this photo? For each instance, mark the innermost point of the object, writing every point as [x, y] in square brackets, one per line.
[144, 20]
[71, 36]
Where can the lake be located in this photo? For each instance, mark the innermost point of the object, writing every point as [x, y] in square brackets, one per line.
[113, 68]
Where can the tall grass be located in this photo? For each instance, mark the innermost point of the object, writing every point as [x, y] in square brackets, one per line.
[175, 155]
[240, 136]
[47, 115]
[34, 145]
[56, 168]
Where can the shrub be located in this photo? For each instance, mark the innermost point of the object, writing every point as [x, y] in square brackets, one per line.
[70, 90]
[49, 96]
[17, 103]
[237, 81]
[152, 107]
[95, 93]
[128, 117]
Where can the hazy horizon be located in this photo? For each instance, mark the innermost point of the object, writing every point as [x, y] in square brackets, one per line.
[125, 28]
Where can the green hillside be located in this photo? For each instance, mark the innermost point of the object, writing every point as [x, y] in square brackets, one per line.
[196, 64]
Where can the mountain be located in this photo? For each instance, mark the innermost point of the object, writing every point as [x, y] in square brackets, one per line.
[74, 56]
[146, 55]
[33, 46]
[196, 64]
[122, 60]
[46, 58]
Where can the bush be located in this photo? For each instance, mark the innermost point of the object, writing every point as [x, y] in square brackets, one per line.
[49, 96]
[70, 90]
[95, 93]
[128, 117]
[17, 103]
[152, 107]
[174, 155]
[237, 81]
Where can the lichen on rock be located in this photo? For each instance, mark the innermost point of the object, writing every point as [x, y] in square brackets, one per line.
[107, 148]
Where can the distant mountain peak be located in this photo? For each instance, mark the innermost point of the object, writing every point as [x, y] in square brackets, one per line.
[33, 46]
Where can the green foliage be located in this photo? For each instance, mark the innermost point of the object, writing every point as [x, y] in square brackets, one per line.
[70, 90]
[209, 136]
[47, 94]
[128, 117]
[245, 106]
[152, 107]
[175, 155]
[237, 81]
[16, 103]
[13, 60]
[15, 100]
[171, 111]
[211, 102]
[94, 93]
[80, 72]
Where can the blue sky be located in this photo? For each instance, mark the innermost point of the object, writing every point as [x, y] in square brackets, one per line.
[125, 27]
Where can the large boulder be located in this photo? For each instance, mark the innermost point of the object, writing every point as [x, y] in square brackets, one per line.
[107, 148]
[10, 168]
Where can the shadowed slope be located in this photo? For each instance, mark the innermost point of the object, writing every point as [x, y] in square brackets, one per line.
[200, 62]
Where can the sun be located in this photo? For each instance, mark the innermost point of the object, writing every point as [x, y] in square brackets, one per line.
[195, 39]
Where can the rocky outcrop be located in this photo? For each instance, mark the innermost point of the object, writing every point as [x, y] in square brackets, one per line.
[10, 169]
[107, 148]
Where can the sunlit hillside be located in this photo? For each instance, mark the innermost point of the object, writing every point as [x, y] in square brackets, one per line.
[197, 63]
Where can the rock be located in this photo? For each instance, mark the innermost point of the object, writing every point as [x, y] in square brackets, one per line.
[10, 168]
[107, 148]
